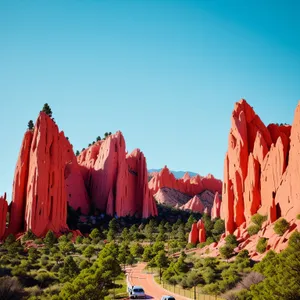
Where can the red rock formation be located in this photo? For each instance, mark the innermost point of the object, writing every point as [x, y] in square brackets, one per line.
[187, 185]
[46, 172]
[194, 234]
[261, 171]
[202, 233]
[171, 197]
[194, 204]
[216, 209]
[117, 183]
[3, 213]
[18, 204]
[77, 196]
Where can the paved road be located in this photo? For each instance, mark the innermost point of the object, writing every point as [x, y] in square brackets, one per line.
[152, 289]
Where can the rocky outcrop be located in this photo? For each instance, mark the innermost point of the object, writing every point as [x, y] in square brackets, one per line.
[202, 233]
[216, 208]
[3, 213]
[171, 197]
[197, 233]
[194, 234]
[45, 172]
[261, 170]
[187, 185]
[19, 192]
[194, 204]
[117, 182]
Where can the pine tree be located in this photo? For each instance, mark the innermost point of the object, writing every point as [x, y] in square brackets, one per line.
[30, 125]
[46, 109]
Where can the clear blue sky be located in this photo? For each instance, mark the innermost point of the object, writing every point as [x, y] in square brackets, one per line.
[165, 73]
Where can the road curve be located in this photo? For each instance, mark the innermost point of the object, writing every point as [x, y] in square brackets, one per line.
[154, 291]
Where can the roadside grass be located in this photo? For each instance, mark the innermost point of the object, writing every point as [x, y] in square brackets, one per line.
[121, 289]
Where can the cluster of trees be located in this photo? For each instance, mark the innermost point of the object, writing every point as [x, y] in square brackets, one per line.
[277, 276]
[47, 110]
[88, 267]
[98, 138]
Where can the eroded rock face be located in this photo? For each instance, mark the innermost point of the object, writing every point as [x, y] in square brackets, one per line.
[197, 233]
[19, 192]
[187, 185]
[117, 182]
[194, 234]
[216, 209]
[194, 204]
[261, 169]
[46, 165]
[3, 213]
[202, 233]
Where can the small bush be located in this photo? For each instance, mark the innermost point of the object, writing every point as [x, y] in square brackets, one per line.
[84, 265]
[209, 240]
[261, 245]
[231, 240]
[298, 217]
[226, 251]
[258, 219]
[190, 246]
[79, 240]
[281, 226]
[38, 241]
[253, 229]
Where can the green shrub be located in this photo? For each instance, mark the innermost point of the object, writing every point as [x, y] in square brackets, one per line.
[231, 240]
[29, 235]
[281, 226]
[258, 219]
[226, 251]
[190, 246]
[38, 241]
[253, 229]
[201, 245]
[298, 217]
[209, 240]
[79, 240]
[55, 268]
[261, 245]
[84, 264]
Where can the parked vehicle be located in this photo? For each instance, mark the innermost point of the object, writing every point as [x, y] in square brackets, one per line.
[167, 298]
[136, 292]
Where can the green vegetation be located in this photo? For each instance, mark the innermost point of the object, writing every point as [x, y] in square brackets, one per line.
[30, 125]
[280, 276]
[253, 229]
[261, 245]
[46, 109]
[281, 226]
[92, 266]
[258, 219]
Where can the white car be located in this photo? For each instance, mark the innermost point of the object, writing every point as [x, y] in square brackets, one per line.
[136, 292]
[167, 298]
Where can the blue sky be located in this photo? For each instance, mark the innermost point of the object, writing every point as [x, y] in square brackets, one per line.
[165, 73]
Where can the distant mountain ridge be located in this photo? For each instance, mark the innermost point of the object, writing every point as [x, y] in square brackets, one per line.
[177, 174]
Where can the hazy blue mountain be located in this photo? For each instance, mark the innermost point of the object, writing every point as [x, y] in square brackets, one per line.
[177, 174]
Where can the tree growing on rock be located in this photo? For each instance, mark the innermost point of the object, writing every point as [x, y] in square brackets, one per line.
[30, 125]
[46, 109]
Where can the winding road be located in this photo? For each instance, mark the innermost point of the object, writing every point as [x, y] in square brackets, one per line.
[136, 276]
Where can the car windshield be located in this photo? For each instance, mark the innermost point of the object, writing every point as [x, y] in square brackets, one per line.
[138, 290]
